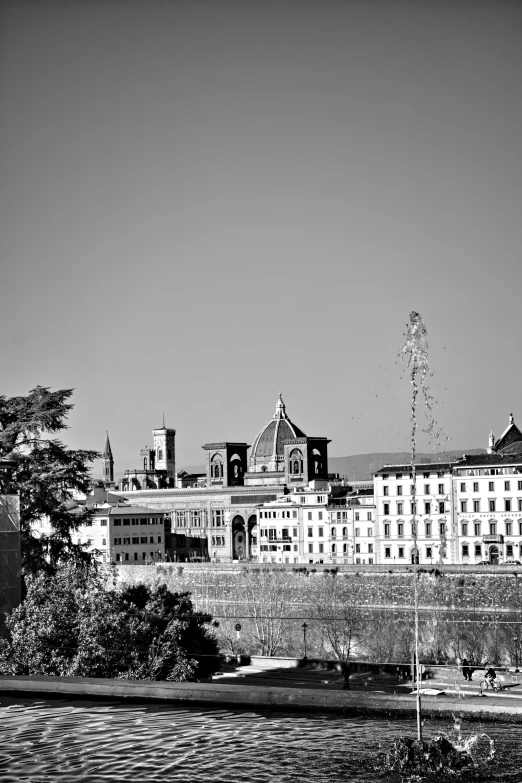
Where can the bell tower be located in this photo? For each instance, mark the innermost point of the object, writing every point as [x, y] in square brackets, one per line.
[165, 456]
[108, 463]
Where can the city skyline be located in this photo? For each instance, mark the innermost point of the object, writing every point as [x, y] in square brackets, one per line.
[205, 204]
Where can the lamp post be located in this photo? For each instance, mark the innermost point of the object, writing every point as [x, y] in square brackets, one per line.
[158, 552]
[515, 640]
[304, 627]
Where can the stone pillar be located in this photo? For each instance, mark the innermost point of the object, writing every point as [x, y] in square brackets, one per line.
[247, 542]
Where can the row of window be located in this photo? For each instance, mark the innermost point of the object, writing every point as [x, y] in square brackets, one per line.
[491, 486]
[401, 552]
[277, 514]
[317, 499]
[273, 547]
[272, 533]
[217, 540]
[477, 548]
[135, 540]
[427, 490]
[489, 471]
[436, 508]
[441, 488]
[494, 528]
[492, 505]
[199, 518]
[119, 522]
[400, 476]
[144, 556]
[401, 529]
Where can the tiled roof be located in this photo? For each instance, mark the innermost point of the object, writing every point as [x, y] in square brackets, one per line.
[420, 466]
[513, 448]
[127, 510]
[490, 459]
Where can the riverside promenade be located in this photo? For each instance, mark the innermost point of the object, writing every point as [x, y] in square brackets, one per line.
[242, 693]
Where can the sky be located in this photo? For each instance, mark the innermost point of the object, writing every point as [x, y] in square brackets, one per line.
[206, 202]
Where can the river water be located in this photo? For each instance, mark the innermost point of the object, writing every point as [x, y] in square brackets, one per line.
[60, 740]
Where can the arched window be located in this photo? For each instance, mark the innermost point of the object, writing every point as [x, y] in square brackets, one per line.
[296, 461]
[334, 532]
[334, 549]
[235, 466]
[345, 549]
[216, 468]
[345, 531]
[160, 454]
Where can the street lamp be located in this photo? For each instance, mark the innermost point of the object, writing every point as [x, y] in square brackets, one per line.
[158, 552]
[515, 640]
[304, 627]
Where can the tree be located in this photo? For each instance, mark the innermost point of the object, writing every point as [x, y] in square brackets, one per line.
[337, 607]
[75, 623]
[44, 476]
[266, 595]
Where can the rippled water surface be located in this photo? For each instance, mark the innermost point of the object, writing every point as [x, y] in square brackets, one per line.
[57, 740]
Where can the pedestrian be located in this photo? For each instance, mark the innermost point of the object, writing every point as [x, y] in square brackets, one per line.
[466, 670]
[490, 673]
[345, 668]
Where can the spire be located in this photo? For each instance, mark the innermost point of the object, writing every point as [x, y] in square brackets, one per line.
[491, 443]
[280, 411]
[107, 454]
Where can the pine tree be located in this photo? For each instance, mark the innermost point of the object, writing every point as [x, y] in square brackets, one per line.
[45, 474]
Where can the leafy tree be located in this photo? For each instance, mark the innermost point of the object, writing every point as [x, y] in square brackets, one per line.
[76, 623]
[44, 476]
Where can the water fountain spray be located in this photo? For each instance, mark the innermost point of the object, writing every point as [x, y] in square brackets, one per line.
[439, 755]
[415, 353]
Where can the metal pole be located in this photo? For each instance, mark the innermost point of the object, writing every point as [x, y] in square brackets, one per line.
[304, 626]
[417, 670]
[416, 605]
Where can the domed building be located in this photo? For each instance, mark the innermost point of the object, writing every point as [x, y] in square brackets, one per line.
[216, 517]
[267, 453]
[282, 454]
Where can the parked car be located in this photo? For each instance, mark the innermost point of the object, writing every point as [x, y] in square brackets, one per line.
[511, 562]
[483, 562]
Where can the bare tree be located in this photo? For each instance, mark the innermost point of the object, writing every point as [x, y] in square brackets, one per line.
[337, 610]
[267, 596]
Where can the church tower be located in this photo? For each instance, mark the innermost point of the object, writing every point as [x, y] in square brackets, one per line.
[165, 456]
[108, 463]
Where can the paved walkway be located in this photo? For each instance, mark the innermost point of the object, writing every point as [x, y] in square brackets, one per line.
[455, 687]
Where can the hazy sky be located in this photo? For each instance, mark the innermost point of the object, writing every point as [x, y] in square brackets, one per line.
[205, 202]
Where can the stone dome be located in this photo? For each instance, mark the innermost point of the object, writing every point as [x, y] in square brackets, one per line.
[267, 452]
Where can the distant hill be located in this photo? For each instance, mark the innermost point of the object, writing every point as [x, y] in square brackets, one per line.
[361, 466]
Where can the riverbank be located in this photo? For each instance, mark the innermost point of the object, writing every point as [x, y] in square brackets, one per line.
[188, 694]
